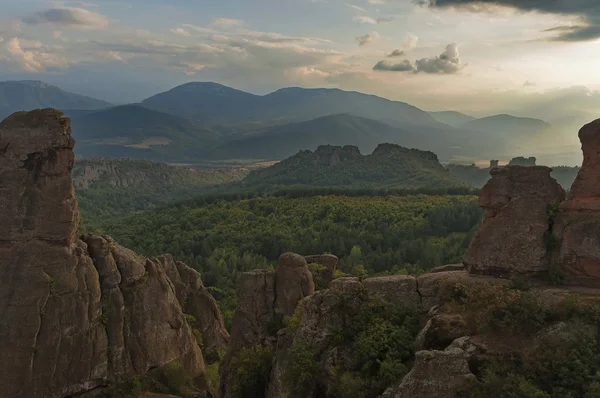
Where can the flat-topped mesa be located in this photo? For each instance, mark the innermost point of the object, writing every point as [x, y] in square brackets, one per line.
[513, 237]
[577, 227]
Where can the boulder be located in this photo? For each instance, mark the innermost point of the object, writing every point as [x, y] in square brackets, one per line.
[513, 239]
[577, 226]
[330, 262]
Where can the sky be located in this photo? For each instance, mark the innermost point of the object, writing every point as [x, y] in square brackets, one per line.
[538, 58]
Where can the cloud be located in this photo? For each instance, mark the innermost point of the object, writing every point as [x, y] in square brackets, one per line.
[447, 62]
[67, 18]
[29, 56]
[587, 12]
[376, 1]
[396, 53]
[404, 66]
[226, 23]
[181, 32]
[355, 7]
[529, 84]
[410, 42]
[368, 38]
[364, 19]
[373, 21]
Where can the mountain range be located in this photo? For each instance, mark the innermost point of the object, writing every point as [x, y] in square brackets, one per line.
[208, 121]
[27, 95]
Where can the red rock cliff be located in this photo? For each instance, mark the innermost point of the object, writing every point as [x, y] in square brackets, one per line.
[79, 314]
[512, 239]
[577, 229]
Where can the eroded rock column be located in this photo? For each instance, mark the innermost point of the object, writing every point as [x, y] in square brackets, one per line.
[514, 237]
[577, 229]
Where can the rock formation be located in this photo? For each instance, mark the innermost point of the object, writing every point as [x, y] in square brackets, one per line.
[329, 155]
[577, 226]
[79, 314]
[513, 237]
[440, 374]
[265, 298]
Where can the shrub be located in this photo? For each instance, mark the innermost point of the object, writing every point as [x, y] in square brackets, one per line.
[303, 369]
[251, 369]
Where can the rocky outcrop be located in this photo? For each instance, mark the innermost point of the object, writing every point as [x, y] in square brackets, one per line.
[440, 374]
[265, 298]
[400, 290]
[76, 314]
[293, 282]
[577, 226]
[328, 155]
[513, 237]
[329, 261]
[197, 302]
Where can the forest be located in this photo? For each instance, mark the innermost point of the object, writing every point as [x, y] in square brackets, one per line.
[372, 235]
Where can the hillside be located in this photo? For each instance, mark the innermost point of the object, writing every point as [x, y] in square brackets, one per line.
[212, 102]
[519, 130]
[452, 118]
[138, 132]
[28, 95]
[279, 142]
[107, 188]
[389, 166]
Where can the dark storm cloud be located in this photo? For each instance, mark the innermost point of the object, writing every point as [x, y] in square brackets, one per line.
[588, 12]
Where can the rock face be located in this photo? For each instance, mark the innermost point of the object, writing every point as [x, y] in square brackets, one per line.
[577, 226]
[440, 374]
[293, 282]
[76, 314]
[328, 155]
[513, 237]
[265, 298]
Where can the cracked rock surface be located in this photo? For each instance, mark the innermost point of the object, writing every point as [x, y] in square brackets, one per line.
[79, 314]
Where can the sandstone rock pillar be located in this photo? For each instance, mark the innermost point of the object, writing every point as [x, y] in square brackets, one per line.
[512, 240]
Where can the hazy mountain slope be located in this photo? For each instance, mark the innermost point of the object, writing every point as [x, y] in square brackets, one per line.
[508, 126]
[207, 102]
[280, 142]
[211, 102]
[116, 187]
[28, 95]
[135, 131]
[452, 118]
[389, 166]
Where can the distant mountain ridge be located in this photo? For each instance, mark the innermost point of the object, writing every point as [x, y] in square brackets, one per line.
[279, 142]
[205, 121]
[212, 102]
[138, 132]
[452, 118]
[29, 94]
[389, 166]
